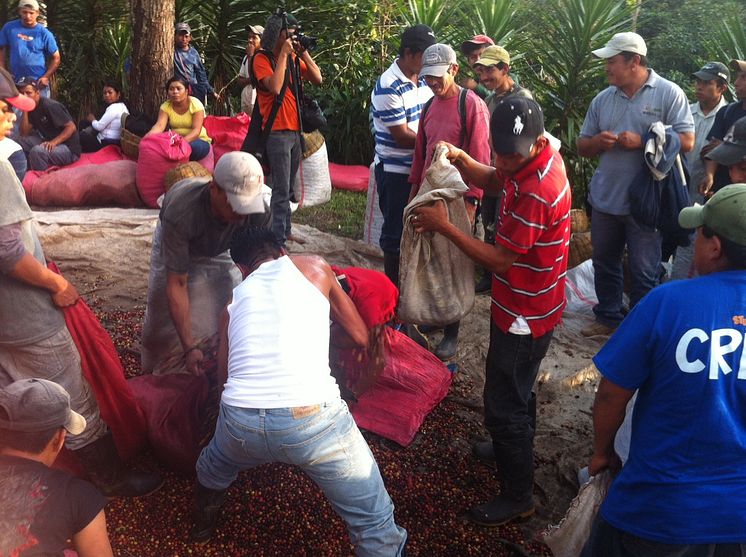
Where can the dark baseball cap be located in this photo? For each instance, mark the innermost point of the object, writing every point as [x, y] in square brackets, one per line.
[515, 125]
[724, 213]
[9, 93]
[418, 37]
[733, 149]
[183, 28]
[713, 70]
[32, 405]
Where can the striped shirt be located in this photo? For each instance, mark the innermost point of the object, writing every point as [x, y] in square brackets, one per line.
[396, 100]
[534, 222]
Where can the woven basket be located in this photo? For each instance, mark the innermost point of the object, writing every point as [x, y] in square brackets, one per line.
[314, 141]
[130, 144]
[579, 221]
[580, 249]
[187, 170]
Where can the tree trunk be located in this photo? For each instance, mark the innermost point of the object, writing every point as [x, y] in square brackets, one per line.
[152, 53]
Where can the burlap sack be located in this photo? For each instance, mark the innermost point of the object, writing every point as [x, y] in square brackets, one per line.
[436, 279]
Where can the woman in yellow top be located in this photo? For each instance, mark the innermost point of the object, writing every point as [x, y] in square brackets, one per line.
[184, 115]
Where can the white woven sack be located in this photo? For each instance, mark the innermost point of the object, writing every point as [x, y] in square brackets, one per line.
[313, 184]
[436, 279]
[373, 216]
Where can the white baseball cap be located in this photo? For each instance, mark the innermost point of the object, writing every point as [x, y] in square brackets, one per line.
[241, 176]
[437, 59]
[622, 42]
[29, 4]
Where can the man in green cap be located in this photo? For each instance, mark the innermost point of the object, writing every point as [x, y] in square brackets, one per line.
[682, 348]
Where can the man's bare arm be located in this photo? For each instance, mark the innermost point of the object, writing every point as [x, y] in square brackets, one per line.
[29, 270]
[177, 293]
[93, 541]
[609, 409]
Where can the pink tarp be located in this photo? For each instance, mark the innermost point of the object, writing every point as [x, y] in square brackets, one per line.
[349, 177]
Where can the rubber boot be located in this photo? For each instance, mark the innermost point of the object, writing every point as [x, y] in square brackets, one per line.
[207, 505]
[484, 284]
[447, 347]
[484, 450]
[515, 471]
[391, 266]
[110, 475]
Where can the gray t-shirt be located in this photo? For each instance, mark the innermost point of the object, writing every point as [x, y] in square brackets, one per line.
[27, 313]
[189, 230]
[658, 100]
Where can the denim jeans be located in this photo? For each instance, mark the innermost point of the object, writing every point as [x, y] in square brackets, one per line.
[509, 405]
[393, 194]
[326, 444]
[607, 541]
[283, 153]
[609, 235]
[39, 158]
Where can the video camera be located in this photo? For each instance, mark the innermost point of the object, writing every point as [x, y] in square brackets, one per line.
[305, 42]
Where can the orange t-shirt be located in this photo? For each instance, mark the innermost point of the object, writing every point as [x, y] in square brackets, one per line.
[287, 116]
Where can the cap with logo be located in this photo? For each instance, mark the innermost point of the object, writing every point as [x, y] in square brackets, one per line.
[475, 42]
[29, 5]
[33, 405]
[256, 29]
[622, 42]
[738, 66]
[9, 93]
[713, 70]
[515, 125]
[724, 213]
[732, 150]
[492, 56]
[183, 28]
[240, 175]
[417, 37]
[437, 60]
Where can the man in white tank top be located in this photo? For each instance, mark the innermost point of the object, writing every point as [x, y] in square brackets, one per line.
[280, 403]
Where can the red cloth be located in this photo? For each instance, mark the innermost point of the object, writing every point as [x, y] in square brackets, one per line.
[227, 133]
[159, 153]
[104, 372]
[535, 223]
[373, 293]
[411, 384]
[107, 154]
[346, 177]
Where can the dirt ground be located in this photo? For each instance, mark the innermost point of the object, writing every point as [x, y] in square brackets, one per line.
[109, 250]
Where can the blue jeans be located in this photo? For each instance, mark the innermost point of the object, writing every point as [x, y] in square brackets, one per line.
[200, 149]
[607, 541]
[609, 235]
[283, 154]
[326, 444]
[393, 194]
[39, 158]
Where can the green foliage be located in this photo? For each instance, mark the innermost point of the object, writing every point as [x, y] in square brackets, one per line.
[494, 18]
[730, 37]
[343, 215]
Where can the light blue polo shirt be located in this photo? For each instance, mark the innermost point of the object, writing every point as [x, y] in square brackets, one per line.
[612, 110]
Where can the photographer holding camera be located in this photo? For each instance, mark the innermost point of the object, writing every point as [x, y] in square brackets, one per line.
[278, 67]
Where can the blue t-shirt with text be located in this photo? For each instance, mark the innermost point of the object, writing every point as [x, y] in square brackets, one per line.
[682, 348]
[29, 48]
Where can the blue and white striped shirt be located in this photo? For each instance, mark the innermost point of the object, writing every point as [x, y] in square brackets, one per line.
[396, 100]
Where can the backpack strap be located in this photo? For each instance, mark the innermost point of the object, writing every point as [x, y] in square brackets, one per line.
[421, 126]
[462, 114]
[279, 99]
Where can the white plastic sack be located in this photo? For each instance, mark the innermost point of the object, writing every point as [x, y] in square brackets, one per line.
[436, 279]
[313, 184]
[579, 288]
[373, 216]
[567, 538]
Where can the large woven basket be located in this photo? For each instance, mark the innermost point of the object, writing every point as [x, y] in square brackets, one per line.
[191, 169]
[580, 249]
[314, 141]
[130, 144]
[579, 221]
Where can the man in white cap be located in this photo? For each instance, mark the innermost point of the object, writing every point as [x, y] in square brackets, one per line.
[43, 508]
[682, 490]
[248, 93]
[616, 120]
[458, 116]
[29, 47]
[191, 274]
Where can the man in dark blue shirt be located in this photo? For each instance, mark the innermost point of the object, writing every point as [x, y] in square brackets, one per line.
[188, 65]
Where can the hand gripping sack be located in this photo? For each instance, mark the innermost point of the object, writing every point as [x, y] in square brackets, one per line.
[436, 279]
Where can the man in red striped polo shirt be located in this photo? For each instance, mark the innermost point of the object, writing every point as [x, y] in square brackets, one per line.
[529, 263]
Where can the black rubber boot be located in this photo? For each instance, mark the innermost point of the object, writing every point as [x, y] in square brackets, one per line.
[412, 332]
[391, 266]
[207, 505]
[110, 475]
[447, 347]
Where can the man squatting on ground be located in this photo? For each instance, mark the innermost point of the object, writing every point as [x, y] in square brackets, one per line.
[616, 120]
[191, 274]
[44, 508]
[280, 402]
[682, 491]
[528, 262]
[39, 344]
